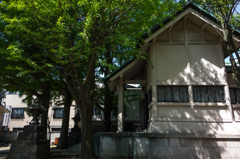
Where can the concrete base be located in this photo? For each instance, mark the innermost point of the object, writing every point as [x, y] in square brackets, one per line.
[74, 137]
[29, 149]
[155, 146]
[31, 144]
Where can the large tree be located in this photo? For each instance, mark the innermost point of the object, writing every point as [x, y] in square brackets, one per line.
[75, 35]
[26, 68]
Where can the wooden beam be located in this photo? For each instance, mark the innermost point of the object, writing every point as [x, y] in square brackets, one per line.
[186, 17]
[135, 82]
[204, 26]
[120, 105]
[134, 89]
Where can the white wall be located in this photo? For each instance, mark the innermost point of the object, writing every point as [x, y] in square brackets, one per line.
[171, 64]
[189, 53]
[207, 66]
[16, 102]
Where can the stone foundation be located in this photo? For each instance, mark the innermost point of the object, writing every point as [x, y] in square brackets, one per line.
[30, 144]
[155, 146]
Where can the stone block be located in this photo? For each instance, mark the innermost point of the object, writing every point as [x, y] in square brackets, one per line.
[160, 152]
[180, 151]
[186, 142]
[141, 152]
[31, 136]
[106, 140]
[178, 146]
[74, 137]
[175, 142]
[32, 128]
[116, 146]
[18, 156]
[38, 148]
[140, 141]
[159, 141]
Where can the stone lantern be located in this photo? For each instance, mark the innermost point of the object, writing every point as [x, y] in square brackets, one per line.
[35, 111]
[32, 143]
[76, 119]
[75, 134]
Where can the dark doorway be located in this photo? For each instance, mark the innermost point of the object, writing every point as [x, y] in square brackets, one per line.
[144, 113]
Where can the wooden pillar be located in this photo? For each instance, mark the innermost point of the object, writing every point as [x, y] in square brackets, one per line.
[120, 105]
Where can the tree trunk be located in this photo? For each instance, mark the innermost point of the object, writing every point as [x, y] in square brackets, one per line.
[63, 141]
[108, 100]
[45, 99]
[88, 103]
[44, 119]
[107, 111]
[87, 133]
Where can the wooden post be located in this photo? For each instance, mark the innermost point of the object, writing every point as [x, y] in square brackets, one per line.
[120, 105]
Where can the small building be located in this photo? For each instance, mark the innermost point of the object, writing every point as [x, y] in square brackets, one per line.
[18, 118]
[187, 87]
[190, 105]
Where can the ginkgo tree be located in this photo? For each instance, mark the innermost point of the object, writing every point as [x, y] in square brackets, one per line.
[75, 34]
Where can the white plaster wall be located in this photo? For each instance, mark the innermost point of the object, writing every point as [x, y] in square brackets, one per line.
[16, 102]
[207, 66]
[186, 54]
[169, 112]
[200, 127]
[236, 111]
[171, 64]
[56, 122]
[186, 114]
[204, 66]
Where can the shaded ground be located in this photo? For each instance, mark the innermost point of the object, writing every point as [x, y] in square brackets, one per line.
[4, 149]
[55, 153]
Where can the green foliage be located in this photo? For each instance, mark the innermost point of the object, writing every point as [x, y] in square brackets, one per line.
[70, 32]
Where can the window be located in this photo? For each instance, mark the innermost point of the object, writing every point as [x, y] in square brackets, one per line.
[58, 113]
[235, 95]
[173, 94]
[17, 113]
[208, 94]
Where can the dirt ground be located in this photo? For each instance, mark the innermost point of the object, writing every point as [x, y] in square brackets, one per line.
[4, 156]
[4, 149]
